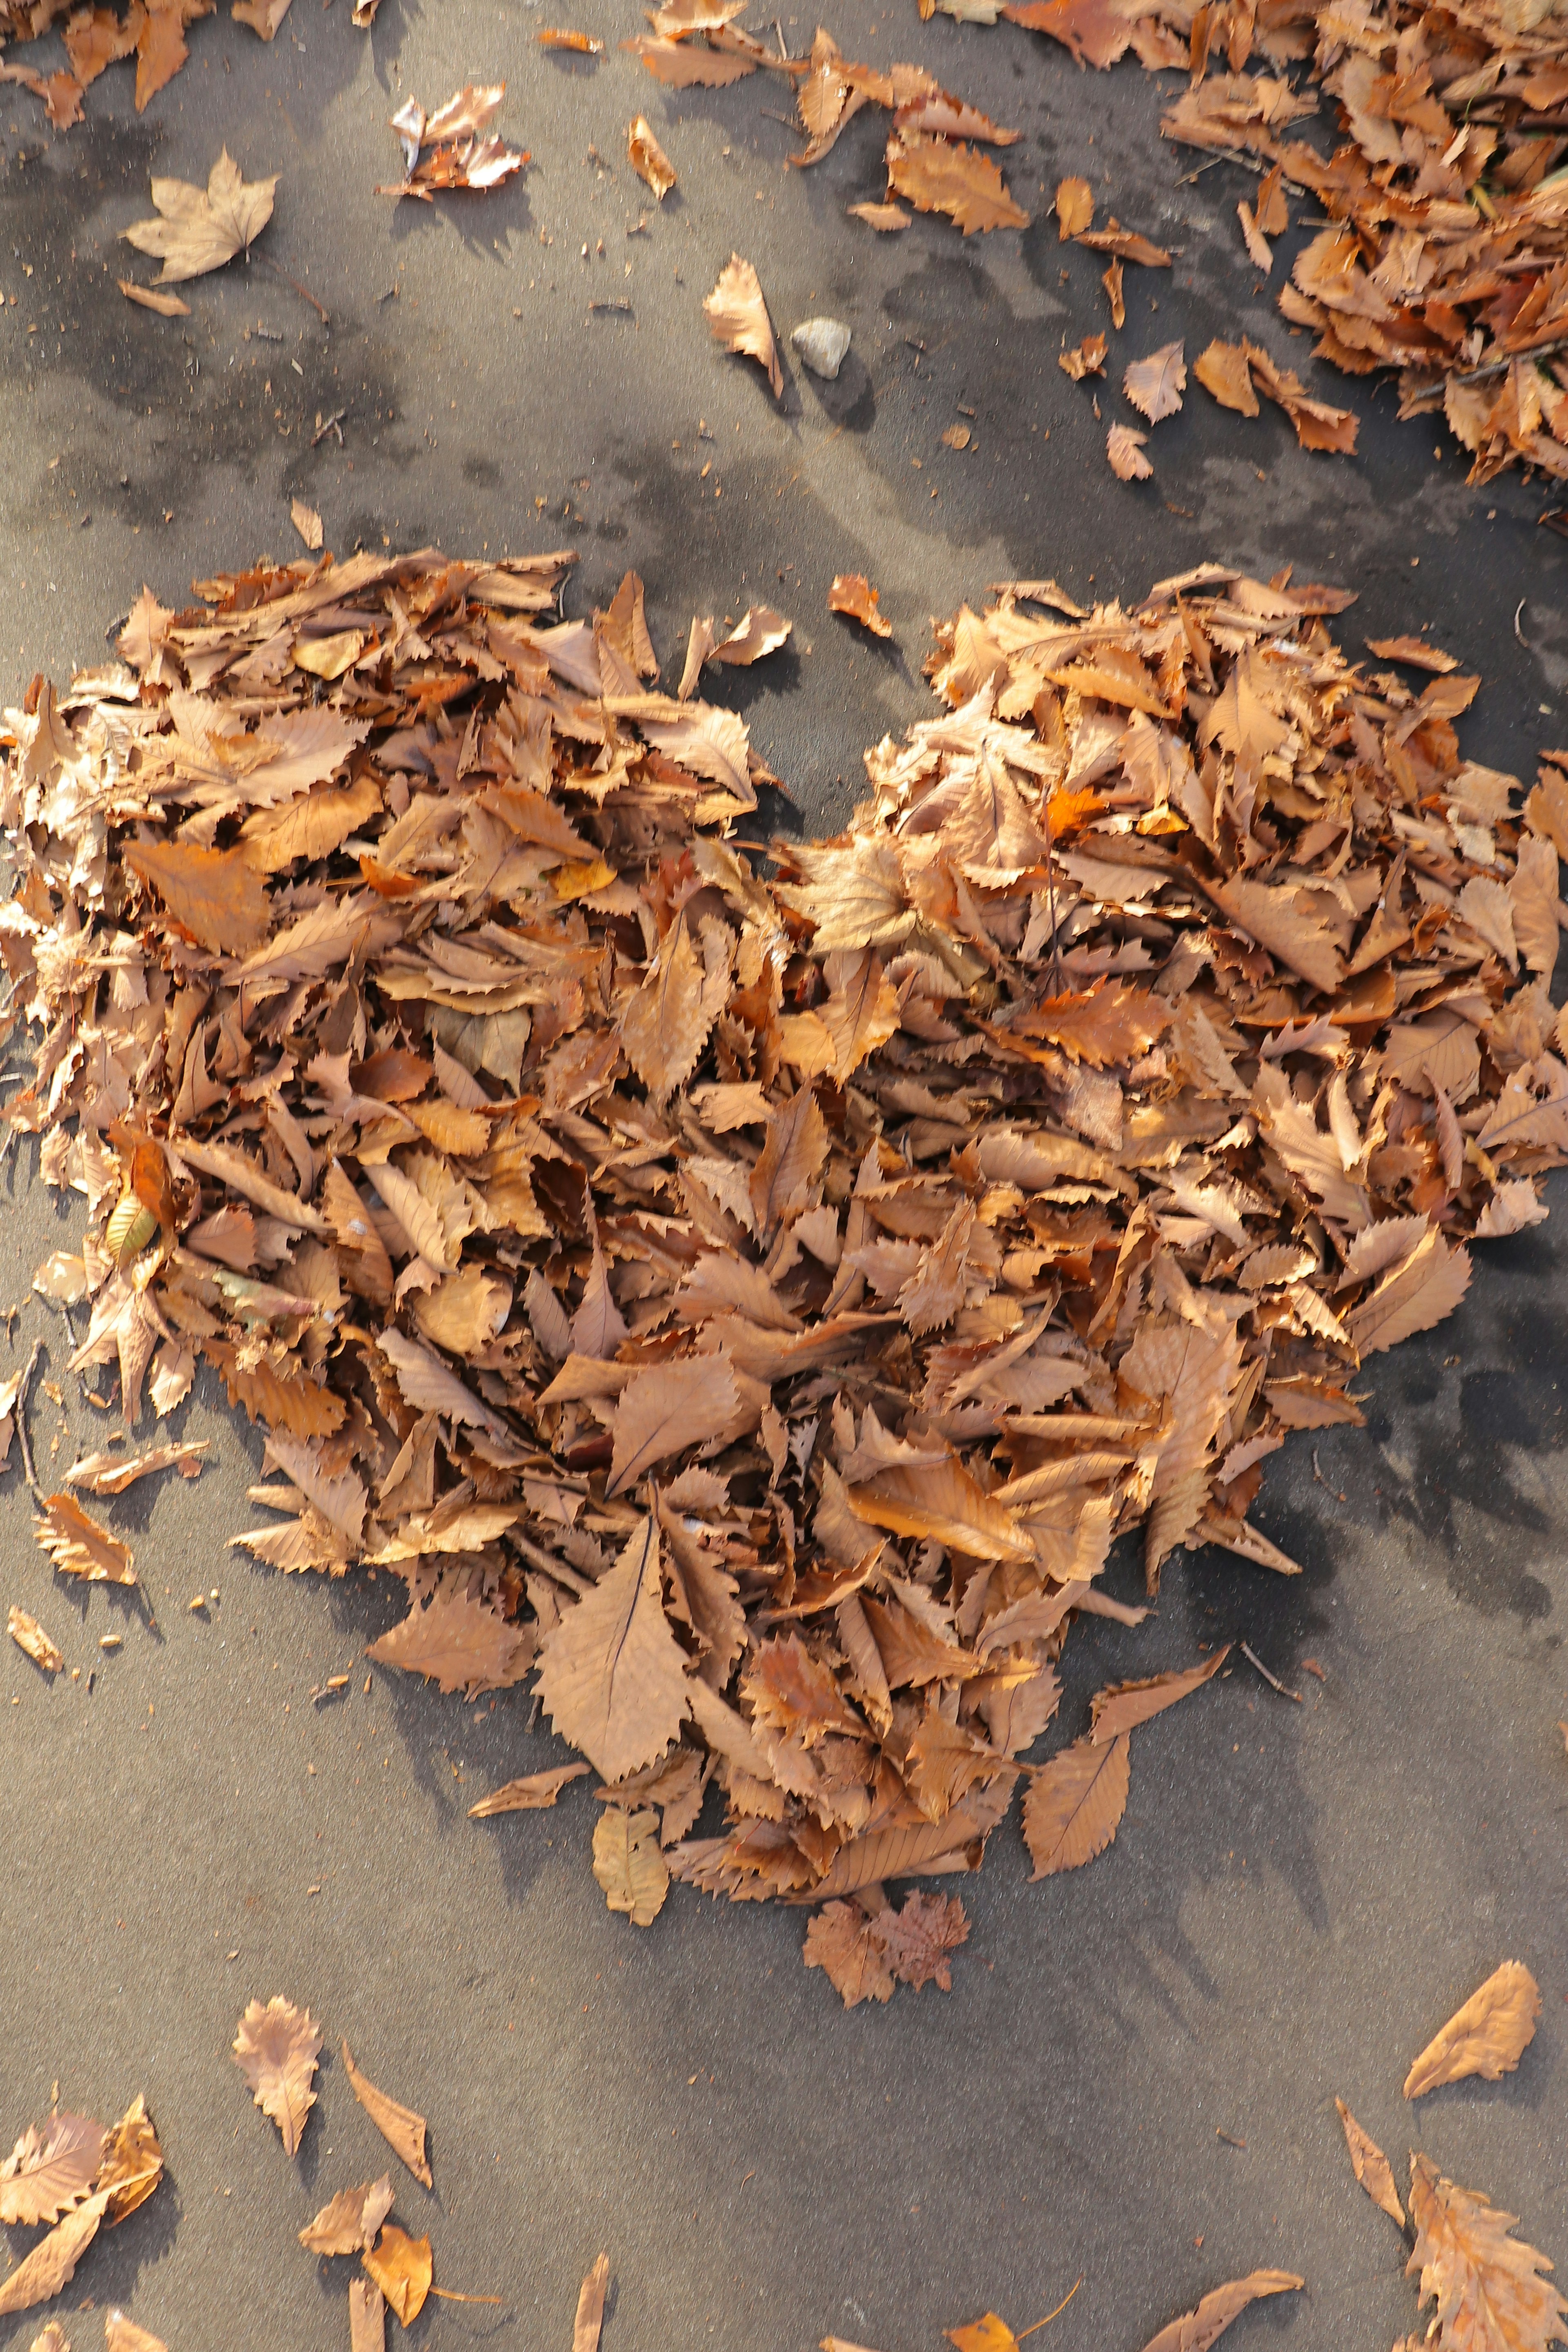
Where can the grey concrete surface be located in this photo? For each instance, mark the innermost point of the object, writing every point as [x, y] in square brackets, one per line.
[1298, 1895]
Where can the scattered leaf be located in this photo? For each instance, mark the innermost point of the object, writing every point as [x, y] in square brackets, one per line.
[649, 159]
[401, 2267]
[529, 1795]
[852, 593]
[1486, 2283]
[1198, 2329]
[737, 318]
[402, 2129]
[1155, 384]
[628, 1864]
[276, 2050]
[1487, 2036]
[307, 523]
[1124, 448]
[29, 1635]
[199, 229]
[1372, 2166]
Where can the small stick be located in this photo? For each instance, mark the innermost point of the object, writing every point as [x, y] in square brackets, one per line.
[1273, 1680]
[450, 2294]
[333, 425]
[1517, 630]
[21, 1410]
[1051, 2314]
[1229, 2139]
[1338, 1493]
[304, 292]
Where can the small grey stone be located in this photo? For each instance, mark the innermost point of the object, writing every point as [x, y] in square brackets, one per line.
[822, 343]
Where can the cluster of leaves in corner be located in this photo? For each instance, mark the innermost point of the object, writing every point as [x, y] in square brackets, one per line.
[759, 1306]
[151, 31]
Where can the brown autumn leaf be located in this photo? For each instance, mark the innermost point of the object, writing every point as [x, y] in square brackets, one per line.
[1223, 369]
[1486, 2283]
[1196, 2330]
[403, 2130]
[941, 175]
[1126, 243]
[1111, 278]
[275, 2049]
[590, 2314]
[30, 1636]
[1087, 358]
[1112, 1022]
[199, 229]
[528, 1795]
[1074, 1804]
[111, 1473]
[51, 2168]
[557, 36]
[131, 2164]
[647, 158]
[459, 1643]
[49, 2267]
[213, 895]
[1125, 449]
[1486, 2036]
[1155, 384]
[1413, 651]
[1260, 251]
[885, 218]
[167, 306]
[1372, 2167]
[853, 593]
[1074, 208]
[78, 1546]
[401, 2267]
[666, 1411]
[628, 1864]
[737, 318]
[612, 1676]
[686, 65]
[1122, 1706]
[122, 2335]
[307, 523]
[348, 2222]
[367, 2304]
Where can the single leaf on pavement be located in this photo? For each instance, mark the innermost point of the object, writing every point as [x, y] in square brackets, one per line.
[122, 2335]
[1196, 2330]
[29, 1635]
[347, 2224]
[852, 593]
[1370, 2165]
[649, 159]
[1122, 1706]
[401, 2267]
[1487, 2036]
[1074, 208]
[201, 228]
[628, 1864]
[367, 2304]
[612, 1675]
[275, 2050]
[49, 2267]
[886, 219]
[1155, 384]
[529, 1795]
[1074, 1804]
[167, 306]
[590, 2316]
[1487, 2284]
[52, 2167]
[1124, 448]
[1413, 651]
[80, 1547]
[839, 1939]
[307, 523]
[402, 2129]
[737, 318]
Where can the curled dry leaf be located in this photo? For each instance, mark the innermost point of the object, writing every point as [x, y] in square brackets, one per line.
[529, 1795]
[1155, 384]
[132, 2164]
[628, 1864]
[1124, 448]
[1415, 652]
[852, 593]
[276, 2049]
[29, 1635]
[1196, 2330]
[884, 218]
[454, 147]
[111, 1473]
[1122, 1706]
[78, 1546]
[307, 523]
[647, 158]
[1370, 2165]
[401, 2267]
[347, 2224]
[1486, 2283]
[1487, 2036]
[402, 2129]
[556, 36]
[1087, 358]
[737, 318]
[199, 229]
[167, 306]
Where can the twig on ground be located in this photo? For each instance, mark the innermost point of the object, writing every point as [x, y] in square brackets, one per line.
[28, 1472]
[1338, 1493]
[334, 423]
[1273, 1680]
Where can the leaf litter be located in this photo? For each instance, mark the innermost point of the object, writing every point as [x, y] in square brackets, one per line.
[756, 1307]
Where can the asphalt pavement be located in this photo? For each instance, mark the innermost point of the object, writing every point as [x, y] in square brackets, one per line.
[1133, 2079]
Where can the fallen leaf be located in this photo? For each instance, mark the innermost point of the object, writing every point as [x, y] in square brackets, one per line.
[1413, 651]
[1122, 1706]
[49, 2267]
[1111, 278]
[1073, 1805]
[591, 2307]
[1196, 2330]
[367, 2304]
[1125, 449]
[552, 37]
[51, 2168]
[611, 1676]
[401, 2267]
[1087, 358]
[1487, 2036]
[529, 1795]
[349, 2221]
[200, 229]
[853, 593]
[1074, 208]
[276, 2050]
[941, 175]
[1486, 2283]
[628, 1864]
[402, 2129]
[29, 1635]
[1372, 2166]
[884, 218]
[80, 1547]
[1223, 369]
[131, 2164]
[168, 305]
[649, 159]
[737, 318]
[214, 894]
[956, 436]
[307, 523]
[122, 2335]
[1155, 384]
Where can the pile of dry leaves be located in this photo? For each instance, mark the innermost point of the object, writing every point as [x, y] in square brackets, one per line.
[151, 31]
[758, 1306]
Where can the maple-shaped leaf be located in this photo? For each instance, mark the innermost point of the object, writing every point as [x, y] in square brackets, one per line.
[1487, 2284]
[737, 318]
[201, 228]
[612, 1675]
[401, 2267]
[78, 1546]
[459, 1643]
[1487, 2036]
[1122, 1706]
[1370, 2165]
[1125, 450]
[349, 2222]
[1196, 2330]
[839, 1940]
[403, 2130]
[852, 594]
[530, 1794]
[1075, 1803]
[52, 2167]
[1155, 384]
[941, 176]
[628, 1864]
[275, 2049]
